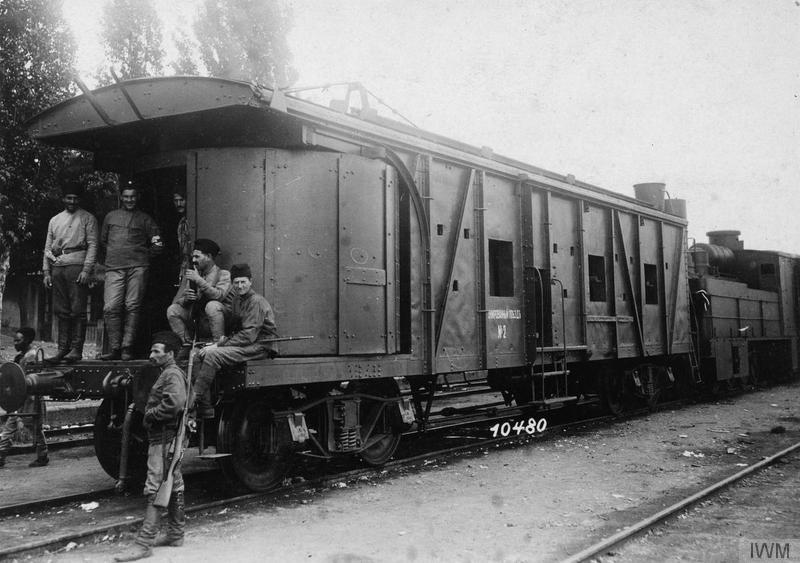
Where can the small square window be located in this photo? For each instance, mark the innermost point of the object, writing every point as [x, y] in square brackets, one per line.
[597, 278]
[501, 268]
[650, 284]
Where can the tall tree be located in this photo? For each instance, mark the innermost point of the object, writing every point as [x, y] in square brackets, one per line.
[132, 39]
[246, 40]
[185, 64]
[36, 56]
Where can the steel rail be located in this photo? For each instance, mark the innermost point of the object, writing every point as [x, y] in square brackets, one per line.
[634, 529]
[323, 481]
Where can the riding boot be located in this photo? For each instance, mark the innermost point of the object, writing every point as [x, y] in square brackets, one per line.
[201, 392]
[114, 330]
[129, 334]
[64, 340]
[176, 521]
[143, 544]
[78, 337]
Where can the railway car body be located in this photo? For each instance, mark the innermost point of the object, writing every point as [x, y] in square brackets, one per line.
[411, 259]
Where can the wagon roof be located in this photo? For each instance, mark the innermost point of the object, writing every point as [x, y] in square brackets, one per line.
[157, 114]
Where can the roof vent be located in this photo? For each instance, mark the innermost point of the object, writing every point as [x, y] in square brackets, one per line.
[651, 193]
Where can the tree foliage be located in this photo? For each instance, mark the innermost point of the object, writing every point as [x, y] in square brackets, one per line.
[246, 40]
[132, 39]
[36, 57]
[185, 63]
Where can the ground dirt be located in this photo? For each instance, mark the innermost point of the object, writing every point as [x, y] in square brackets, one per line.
[540, 501]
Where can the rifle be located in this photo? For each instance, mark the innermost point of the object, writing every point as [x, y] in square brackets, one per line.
[283, 339]
[165, 489]
[262, 341]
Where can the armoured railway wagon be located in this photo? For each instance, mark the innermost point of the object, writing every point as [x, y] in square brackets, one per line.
[412, 260]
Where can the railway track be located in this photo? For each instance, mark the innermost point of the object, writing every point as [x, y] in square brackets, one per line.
[116, 519]
[661, 516]
[116, 516]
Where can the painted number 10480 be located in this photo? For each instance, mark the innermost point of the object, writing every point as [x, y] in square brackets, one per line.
[531, 426]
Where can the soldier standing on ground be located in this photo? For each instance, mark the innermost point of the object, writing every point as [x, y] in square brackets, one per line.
[162, 416]
[129, 237]
[70, 251]
[25, 353]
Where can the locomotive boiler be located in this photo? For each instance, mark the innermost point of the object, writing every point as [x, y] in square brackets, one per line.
[411, 259]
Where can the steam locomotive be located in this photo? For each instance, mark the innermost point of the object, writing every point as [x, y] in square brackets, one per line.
[417, 264]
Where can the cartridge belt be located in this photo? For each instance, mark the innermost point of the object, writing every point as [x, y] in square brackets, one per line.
[69, 250]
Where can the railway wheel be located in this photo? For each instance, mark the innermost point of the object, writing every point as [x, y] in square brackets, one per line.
[261, 450]
[108, 424]
[380, 428]
[612, 393]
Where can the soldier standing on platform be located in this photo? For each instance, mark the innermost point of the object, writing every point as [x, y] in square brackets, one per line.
[70, 251]
[184, 237]
[129, 237]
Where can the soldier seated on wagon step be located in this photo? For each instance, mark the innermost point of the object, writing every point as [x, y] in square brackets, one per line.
[198, 306]
[253, 328]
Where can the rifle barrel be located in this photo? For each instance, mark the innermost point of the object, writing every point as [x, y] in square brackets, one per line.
[284, 339]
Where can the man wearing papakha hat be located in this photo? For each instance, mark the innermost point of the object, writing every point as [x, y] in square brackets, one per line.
[70, 252]
[253, 325]
[198, 305]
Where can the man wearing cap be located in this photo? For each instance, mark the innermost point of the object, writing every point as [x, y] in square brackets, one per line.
[198, 305]
[70, 251]
[253, 326]
[162, 418]
[182, 231]
[129, 237]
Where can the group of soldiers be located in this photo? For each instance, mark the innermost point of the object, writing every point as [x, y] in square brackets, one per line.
[212, 303]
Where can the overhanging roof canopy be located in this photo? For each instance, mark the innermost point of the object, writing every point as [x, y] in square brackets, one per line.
[158, 114]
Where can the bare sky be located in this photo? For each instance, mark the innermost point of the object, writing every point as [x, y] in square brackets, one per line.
[701, 95]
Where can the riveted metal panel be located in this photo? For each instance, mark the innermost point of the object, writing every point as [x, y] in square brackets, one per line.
[601, 322]
[362, 237]
[505, 329]
[453, 249]
[676, 289]
[653, 314]
[627, 283]
[303, 252]
[230, 206]
[565, 256]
